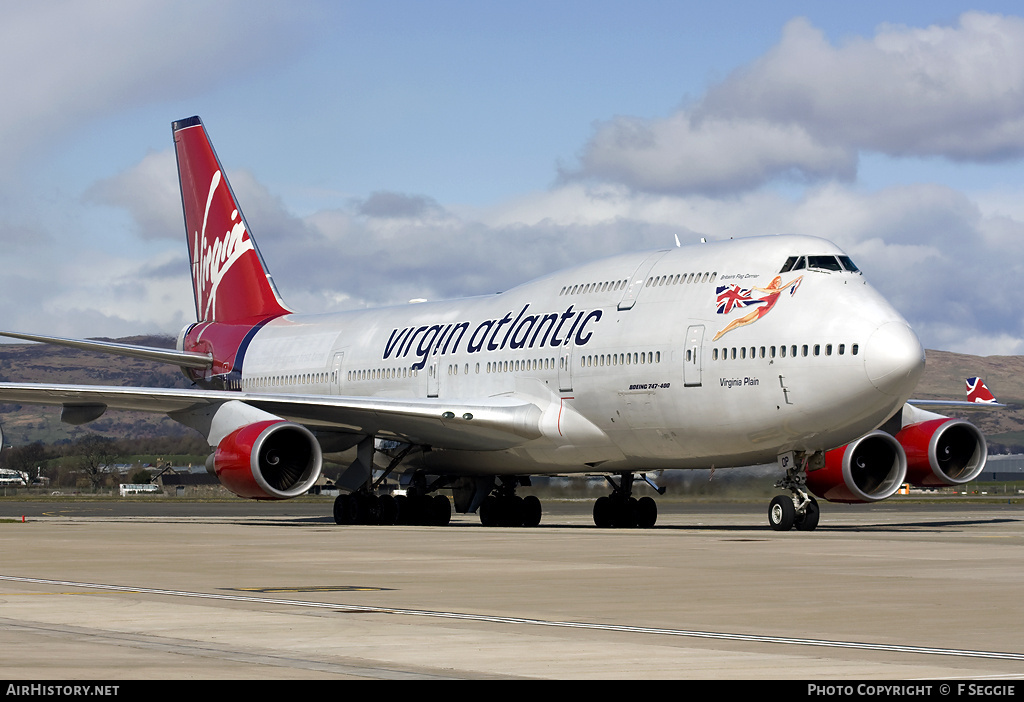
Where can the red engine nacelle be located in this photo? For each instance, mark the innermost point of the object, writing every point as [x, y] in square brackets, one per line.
[869, 469]
[943, 452]
[269, 460]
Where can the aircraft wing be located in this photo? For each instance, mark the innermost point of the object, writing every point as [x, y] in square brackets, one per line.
[487, 424]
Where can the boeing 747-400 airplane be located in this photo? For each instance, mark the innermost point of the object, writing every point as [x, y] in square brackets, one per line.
[722, 354]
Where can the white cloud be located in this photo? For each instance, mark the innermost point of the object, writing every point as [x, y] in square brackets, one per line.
[149, 192]
[807, 108]
[58, 57]
[710, 155]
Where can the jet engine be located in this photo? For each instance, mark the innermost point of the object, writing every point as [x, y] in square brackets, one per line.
[268, 460]
[869, 469]
[943, 452]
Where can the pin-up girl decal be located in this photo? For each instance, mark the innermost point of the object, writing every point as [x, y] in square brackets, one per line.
[740, 297]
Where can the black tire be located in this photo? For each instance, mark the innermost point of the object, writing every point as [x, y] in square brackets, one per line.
[808, 521]
[531, 511]
[646, 512]
[513, 511]
[488, 511]
[341, 509]
[603, 511]
[627, 513]
[440, 511]
[781, 513]
[388, 509]
[371, 508]
[403, 510]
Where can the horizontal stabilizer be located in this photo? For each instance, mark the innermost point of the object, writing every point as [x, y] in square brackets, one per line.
[978, 398]
[185, 359]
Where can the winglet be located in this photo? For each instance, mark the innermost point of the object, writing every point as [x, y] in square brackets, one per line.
[978, 392]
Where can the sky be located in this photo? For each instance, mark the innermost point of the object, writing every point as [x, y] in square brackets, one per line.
[385, 150]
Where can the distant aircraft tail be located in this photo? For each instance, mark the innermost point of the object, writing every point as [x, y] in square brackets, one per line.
[229, 278]
[978, 392]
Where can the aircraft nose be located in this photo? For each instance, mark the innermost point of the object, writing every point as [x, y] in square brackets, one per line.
[894, 359]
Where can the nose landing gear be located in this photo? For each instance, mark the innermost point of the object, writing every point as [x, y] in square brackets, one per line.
[799, 509]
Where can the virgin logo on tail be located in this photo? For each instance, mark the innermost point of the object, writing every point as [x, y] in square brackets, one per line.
[229, 279]
[215, 256]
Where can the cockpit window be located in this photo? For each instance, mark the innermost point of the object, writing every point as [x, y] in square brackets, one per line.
[793, 263]
[825, 263]
[819, 263]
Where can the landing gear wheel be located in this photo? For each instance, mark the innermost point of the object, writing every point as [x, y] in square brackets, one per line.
[603, 512]
[646, 512]
[388, 509]
[440, 511]
[489, 511]
[808, 521]
[781, 513]
[531, 511]
[341, 509]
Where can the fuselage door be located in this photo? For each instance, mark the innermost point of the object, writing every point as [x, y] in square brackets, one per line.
[565, 354]
[637, 281]
[433, 377]
[337, 368]
[433, 370]
[692, 356]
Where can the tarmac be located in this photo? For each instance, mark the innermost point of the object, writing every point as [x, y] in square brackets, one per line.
[130, 590]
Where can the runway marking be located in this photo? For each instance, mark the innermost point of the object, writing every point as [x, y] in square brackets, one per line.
[721, 636]
[311, 588]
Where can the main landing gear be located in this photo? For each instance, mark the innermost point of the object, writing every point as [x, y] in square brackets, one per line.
[366, 508]
[798, 509]
[504, 508]
[622, 510]
[418, 506]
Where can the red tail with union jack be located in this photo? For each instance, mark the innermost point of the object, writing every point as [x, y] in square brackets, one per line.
[978, 392]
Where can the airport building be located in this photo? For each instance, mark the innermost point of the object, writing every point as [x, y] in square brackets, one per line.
[1006, 468]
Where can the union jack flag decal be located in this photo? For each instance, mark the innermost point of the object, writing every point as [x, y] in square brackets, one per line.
[733, 296]
[978, 392]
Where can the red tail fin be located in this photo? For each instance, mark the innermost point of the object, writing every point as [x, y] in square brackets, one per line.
[978, 392]
[229, 278]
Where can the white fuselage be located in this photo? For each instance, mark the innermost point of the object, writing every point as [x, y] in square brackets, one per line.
[621, 357]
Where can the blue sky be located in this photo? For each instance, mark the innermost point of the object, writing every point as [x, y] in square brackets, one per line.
[386, 150]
